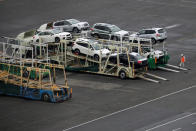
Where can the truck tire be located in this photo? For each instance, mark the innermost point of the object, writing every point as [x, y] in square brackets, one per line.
[46, 97]
[122, 74]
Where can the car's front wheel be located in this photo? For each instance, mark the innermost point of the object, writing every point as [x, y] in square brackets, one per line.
[96, 57]
[77, 51]
[153, 40]
[57, 40]
[75, 30]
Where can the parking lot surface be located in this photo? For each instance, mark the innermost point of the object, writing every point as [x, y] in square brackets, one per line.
[97, 96]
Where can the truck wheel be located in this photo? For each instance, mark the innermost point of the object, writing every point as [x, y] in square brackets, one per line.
[46, 97]
[122, 74]
[57, 40]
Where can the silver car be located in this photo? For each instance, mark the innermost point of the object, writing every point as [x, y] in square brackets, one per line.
[71, 25]
[108, 31]
[155, 34]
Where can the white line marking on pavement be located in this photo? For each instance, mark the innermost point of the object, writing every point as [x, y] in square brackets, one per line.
[177, 129]
[193, 123]
[132, 107]
[188, 1]
[171, 122]
[172, 26]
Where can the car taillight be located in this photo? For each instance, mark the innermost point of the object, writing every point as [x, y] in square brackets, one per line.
[158, 35]
[139, 62]
[91, 29]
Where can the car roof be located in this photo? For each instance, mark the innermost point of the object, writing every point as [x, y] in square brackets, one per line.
[82, 39]
[104, 24]
[154, 28]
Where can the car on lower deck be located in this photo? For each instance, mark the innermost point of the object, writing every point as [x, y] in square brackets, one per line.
[135, 59]
[149, 52]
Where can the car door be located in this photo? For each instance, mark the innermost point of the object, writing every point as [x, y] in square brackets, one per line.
[67, 27]
[106, 31]
[46, 37]
[91, 50]
[59, 25]
[42, 36]
[150, 34]
[82, 47]
[142, 34]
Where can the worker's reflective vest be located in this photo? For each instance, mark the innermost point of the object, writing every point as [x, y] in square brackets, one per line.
[182, 59]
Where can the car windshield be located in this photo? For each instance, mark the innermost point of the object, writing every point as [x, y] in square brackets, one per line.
[73, 21]
[56, 31]
[115, 28]
[161, 31]
[95, 45]
[139, 57]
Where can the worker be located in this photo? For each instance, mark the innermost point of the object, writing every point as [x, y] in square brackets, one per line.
[182, 60]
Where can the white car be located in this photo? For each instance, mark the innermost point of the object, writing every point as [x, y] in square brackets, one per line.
[147, 52]
[89, 47]
[154, 53]
[51, 36]
[155, 34]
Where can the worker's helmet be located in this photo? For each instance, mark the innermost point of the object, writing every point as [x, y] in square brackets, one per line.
[182, 55]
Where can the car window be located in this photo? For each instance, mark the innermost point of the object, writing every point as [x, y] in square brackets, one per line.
[132, 58]
[97, 27]
[142, 32]
[73, 21]
[161, 31]
[115, 28]
[107, 29]
[59, 23]
[83, 44]
[150, 32]
[42, 33]
[67, 23]
[47, 33]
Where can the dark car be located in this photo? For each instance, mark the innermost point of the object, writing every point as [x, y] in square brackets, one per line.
[108, 31]
[135, 58]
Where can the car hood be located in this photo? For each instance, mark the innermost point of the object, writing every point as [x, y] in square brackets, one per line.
[64, 33]
[103, 51]
[133, 35]
[122, 33]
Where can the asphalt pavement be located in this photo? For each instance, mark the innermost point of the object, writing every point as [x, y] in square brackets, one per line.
[96, 96]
